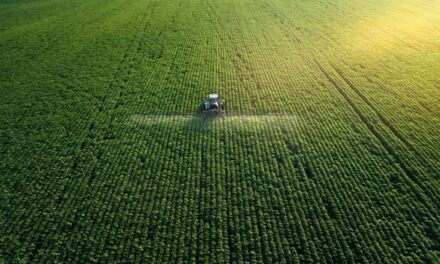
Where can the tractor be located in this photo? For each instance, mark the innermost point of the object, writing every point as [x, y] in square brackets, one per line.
[214, 106]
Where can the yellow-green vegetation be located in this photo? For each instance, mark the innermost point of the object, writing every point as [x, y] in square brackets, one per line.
[332, 153]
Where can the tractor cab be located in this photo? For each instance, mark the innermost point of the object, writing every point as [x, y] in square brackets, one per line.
[214, 106]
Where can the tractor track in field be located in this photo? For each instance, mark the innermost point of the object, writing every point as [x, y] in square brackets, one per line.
[407, 169]
[282, 19]
[385, 121]
[377, 112]
[402, 166]
[388, 90]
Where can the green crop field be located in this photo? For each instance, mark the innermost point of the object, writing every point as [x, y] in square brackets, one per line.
[329, 151]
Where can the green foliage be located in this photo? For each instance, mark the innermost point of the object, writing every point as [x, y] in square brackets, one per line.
[342, 167]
